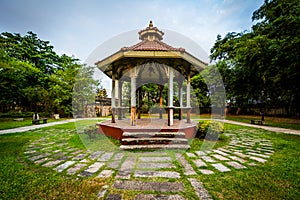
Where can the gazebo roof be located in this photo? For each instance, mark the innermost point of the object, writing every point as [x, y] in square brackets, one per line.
[155, 45]
[150, 50]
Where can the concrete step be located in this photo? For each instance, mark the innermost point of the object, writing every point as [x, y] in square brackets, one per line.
[154, 140]
[155, 146]
[153, 134]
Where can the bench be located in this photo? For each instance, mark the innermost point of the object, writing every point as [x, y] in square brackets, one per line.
[258, 121]
[38, 121]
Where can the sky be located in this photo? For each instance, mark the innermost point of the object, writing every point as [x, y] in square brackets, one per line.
[79, 27]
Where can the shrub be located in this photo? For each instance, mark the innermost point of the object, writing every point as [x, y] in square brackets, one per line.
[209, 130]
[14, 114]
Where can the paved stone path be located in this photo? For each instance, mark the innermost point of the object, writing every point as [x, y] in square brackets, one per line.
[138, 171]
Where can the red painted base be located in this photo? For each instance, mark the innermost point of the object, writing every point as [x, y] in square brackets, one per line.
[117, 129]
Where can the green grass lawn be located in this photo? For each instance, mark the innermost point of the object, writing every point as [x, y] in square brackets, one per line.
[8, 123]
[278, 178]
[269, 121]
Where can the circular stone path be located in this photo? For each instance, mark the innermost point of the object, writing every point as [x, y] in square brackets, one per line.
[127, 169]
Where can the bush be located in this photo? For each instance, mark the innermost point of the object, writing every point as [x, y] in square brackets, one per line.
[14, 114]
[209, 130]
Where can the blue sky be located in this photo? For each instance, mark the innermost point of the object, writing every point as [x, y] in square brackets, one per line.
[77, 27]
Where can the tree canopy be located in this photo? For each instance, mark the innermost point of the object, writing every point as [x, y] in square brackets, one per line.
[29, 64]
[263, 64]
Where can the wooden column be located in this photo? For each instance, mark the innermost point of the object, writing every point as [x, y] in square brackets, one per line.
[120, 99]
[160, 87]
[188, 98]
[170, 99]
[113, 98]
[139, 92]
[180, 91]
[133, 97]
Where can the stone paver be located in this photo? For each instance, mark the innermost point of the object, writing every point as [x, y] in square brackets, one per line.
[221, 167]
[259, 155]
[236, 165]
[188, 169]
[114, 197]
[149, 186]
[75, 168]
[200, 153]
[105, 174]
[206, 171]
[155, 165]
[160, 196]
[240, 154]
[126, 168]
[219, 157]
[114, 164]
[200, 190]
[163, 174]
[95, 155]
[208, 159]
[106, 156]
[52, 163]
[191, 155]
[34, 158]
[63, 166]
[94, 167]
[237, 159]
[79, 156]
[220, 152]
[155, 159]
[199, 163]
[118, 156]
[257, 159]
[102, 192]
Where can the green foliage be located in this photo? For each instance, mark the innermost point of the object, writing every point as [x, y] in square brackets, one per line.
[27, 64]
[84, 90]
[14, 114]
[264, 59]
[209, 129]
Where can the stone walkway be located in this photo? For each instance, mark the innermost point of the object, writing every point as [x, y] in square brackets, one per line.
[138, 171]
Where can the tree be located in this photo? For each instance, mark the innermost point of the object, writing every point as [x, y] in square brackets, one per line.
[28, 63]
[84, 91]
[263, 63]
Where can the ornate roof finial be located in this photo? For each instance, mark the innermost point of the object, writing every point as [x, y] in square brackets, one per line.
[150, 24]
[151, 33]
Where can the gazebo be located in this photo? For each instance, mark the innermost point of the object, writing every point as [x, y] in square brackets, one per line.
[151, 61]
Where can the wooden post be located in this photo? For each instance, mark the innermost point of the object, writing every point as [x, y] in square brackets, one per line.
[180, 97]
[188, 98]
[119, 100]
[113, 98]
[160, 87]
[133, 97]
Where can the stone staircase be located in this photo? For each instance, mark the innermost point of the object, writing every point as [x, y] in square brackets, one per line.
[154, 140]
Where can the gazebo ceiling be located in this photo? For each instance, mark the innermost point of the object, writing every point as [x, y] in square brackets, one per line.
[153, 51]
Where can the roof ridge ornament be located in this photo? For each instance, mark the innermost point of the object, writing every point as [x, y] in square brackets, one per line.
[150, 24]
[151, 33]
